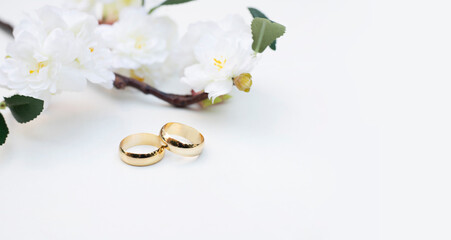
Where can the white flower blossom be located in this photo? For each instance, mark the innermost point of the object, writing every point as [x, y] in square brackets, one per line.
[88, 6]
[221, 52]
[105, 10]
[2, 78]
[56, 50]
[140, 43]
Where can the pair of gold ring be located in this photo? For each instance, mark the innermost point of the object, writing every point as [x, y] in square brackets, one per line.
[167, 140]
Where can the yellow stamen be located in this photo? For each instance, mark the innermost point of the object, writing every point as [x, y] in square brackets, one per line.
[139, 43]
[219, 64]
[128, 2]
[92, 49]
[133, 75]
[39, 66]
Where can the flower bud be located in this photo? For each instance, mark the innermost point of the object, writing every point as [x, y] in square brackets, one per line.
[243, 82]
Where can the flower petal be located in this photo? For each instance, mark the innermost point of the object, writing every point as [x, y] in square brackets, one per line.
[218, 88]
[196, 77]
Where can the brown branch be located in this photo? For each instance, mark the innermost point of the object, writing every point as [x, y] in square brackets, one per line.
[176, 100]
[6, 27]
[122, 82]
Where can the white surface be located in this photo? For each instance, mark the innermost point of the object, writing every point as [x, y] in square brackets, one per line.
[348, 92]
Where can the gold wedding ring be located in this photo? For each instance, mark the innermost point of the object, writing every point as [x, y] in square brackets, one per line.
[136, 159]
[171, 131]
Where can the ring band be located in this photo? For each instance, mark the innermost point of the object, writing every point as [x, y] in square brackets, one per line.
[146, 159]
[170, 130]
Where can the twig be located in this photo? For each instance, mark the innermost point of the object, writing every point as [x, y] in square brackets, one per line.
[6, 27]
[122, 82]
[176, 100]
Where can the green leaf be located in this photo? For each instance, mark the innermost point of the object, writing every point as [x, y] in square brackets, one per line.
[3, 130]
[258, 14]
[169, 2]
[172, 2]
[273, 45]
[23, 108]
[264, 33]
[208, 102]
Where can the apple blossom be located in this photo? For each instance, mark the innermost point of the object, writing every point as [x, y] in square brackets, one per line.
[56, 50]
[222, 51]
[141, 43]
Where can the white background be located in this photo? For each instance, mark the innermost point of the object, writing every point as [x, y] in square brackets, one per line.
[343, 136]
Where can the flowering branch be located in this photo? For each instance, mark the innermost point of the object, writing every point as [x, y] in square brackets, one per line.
[226, 62]
[121, 82]
[176, 100]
